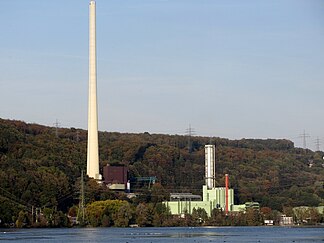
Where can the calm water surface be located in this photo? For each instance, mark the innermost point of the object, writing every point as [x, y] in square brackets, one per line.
[159, 235]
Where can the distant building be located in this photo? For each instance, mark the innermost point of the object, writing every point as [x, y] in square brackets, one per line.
[115, 177]
[268, 222]
[284, 220]
[73, 220]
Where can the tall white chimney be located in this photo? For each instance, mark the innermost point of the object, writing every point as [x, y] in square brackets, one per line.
[93, 150]
[210, 170]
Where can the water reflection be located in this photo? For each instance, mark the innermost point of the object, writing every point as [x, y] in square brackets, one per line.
[159, 235]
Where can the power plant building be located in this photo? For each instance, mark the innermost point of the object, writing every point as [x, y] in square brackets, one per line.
[213, 197]
[115, 177]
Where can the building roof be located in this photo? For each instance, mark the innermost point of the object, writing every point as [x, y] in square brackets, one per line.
[187, 196]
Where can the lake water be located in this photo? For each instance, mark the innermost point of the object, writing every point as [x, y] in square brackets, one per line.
[159, 235]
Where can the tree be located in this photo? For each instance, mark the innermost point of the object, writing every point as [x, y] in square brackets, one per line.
[253, 217]
[158, 193]
[199, 216]
[162, 216]
[123, 215]
[22, 219]
[108, 213]
[217, 217]
[266, 212]
[142, 212]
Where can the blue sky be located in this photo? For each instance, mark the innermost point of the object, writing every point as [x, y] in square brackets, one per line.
[230, 68]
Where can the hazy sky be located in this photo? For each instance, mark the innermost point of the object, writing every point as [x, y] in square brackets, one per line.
[230, 68]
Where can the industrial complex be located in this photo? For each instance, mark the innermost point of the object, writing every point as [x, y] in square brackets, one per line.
[221, 198]
[116, 177]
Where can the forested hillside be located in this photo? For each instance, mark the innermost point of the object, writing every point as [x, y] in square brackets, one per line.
[41, 169]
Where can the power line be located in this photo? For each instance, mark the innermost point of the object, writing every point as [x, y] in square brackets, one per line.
[13, 198]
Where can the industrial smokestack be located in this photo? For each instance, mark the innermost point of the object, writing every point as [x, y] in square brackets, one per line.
[210, 171]
[226, 194]
[92, 150]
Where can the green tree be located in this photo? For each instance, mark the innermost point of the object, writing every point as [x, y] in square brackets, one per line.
[113, 210]
[162, 216]
[123, 215]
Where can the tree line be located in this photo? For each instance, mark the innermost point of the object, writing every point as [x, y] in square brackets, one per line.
[39, 169]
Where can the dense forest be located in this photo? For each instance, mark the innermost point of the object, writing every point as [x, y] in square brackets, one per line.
[41, 167]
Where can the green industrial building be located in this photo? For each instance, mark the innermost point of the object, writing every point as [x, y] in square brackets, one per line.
[181, 203]
[221, 198]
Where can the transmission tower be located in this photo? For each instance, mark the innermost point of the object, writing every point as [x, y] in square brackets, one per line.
[304, 135]
[57, 125]
[318, 144]
[189, 132]
[81, 202]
